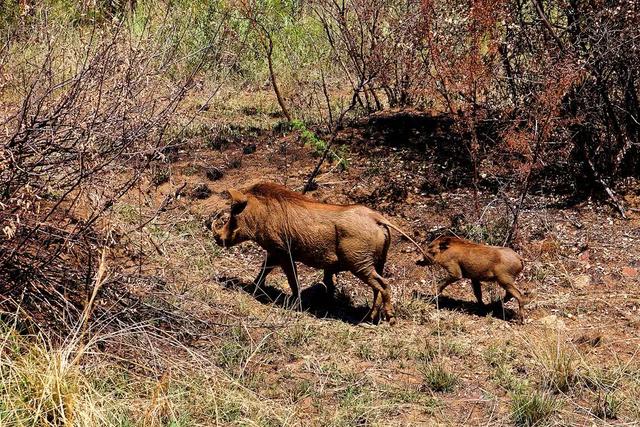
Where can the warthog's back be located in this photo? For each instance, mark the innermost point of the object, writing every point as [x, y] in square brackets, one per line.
[511, 260]
[317, 234]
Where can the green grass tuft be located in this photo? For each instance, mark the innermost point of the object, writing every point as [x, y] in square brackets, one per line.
[532, 408]
[438, 378]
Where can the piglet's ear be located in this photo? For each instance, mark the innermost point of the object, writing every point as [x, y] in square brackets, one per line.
[238, 200]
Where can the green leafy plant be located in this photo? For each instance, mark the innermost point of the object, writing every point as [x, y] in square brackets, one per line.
[319, 145]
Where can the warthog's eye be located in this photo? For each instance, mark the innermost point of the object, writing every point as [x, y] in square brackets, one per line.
[237, 209]
[231, 221]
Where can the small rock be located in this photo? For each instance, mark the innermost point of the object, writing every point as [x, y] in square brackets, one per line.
[201, 191]
[552, 321]
[593, 339]
[249, 149]
[582, 281]
[214, 174]
[630, 272]
[235, 163]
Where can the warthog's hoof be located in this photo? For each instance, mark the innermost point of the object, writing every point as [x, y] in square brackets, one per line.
[373, 320]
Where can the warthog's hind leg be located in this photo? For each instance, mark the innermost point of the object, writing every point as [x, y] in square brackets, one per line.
[507, 284]
[477, 291]
[380, 285]
[374, 313]
[328, 282]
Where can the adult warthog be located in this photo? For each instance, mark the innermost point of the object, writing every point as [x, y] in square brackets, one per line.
[292, 227]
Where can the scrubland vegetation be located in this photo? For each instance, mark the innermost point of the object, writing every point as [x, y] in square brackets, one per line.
[509, 122]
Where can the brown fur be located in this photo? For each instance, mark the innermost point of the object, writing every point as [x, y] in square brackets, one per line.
[464, 259]
[292, 227]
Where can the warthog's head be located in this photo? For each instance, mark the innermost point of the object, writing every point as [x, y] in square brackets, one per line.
[436, 247]
[235, 230]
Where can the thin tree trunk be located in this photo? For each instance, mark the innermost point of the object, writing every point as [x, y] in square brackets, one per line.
[546, 23]
[513, 231]
[509, 71]
[274, 81]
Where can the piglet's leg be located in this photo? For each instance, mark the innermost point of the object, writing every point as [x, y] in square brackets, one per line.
[455, 274]
[507, 297]
[442, 285]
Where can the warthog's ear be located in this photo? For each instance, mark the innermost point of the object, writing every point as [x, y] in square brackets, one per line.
[238, 200]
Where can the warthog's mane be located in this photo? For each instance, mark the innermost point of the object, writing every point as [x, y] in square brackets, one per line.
[270, 192]
[446, 241]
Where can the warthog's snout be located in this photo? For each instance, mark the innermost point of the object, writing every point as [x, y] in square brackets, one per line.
[423, 261]
[210, 223]
[219, 240]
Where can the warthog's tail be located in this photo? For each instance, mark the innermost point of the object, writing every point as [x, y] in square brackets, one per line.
[383, 221]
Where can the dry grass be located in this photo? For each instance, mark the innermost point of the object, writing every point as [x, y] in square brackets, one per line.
[48, 384]
[556, 361]
[42, 386]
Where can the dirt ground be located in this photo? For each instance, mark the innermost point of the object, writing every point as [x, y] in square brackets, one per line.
[447, 362]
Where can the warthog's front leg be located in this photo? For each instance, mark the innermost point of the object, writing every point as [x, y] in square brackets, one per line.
[328, 282]
[289, 267]
[270, 262]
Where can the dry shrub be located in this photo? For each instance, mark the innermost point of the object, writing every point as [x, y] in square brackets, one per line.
[85, 116]
[550, 88]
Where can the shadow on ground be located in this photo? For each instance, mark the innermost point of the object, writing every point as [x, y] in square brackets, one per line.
[495, 308]
[314, 300]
